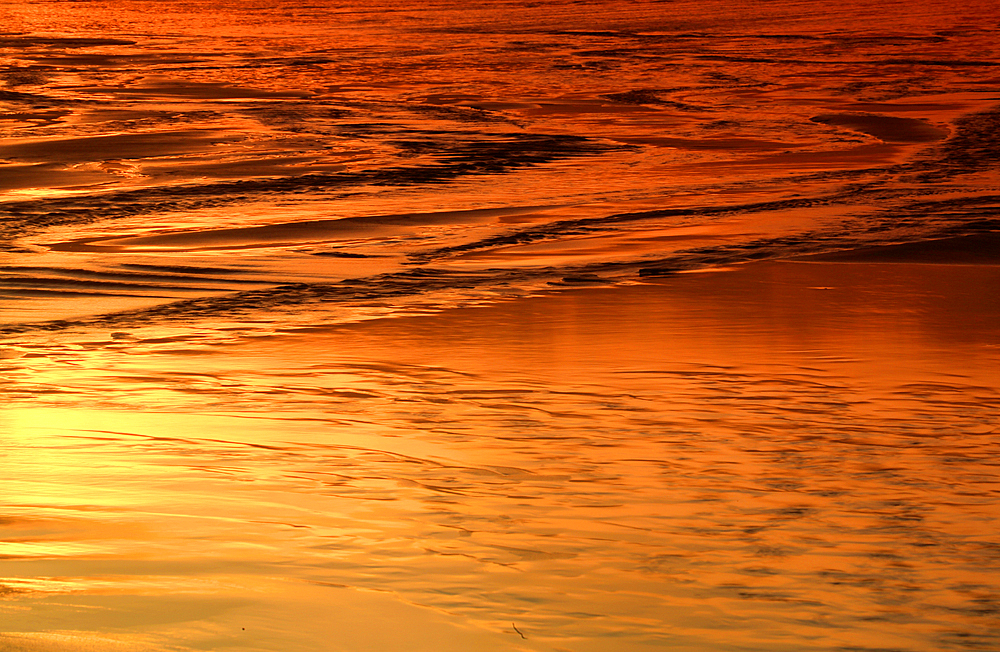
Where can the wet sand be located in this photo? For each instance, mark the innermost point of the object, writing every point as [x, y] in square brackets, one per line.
[782, 456]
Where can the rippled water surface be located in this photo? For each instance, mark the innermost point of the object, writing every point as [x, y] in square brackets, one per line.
[565, 326]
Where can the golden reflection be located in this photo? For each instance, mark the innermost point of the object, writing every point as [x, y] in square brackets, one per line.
[686, 462]
[428, 326]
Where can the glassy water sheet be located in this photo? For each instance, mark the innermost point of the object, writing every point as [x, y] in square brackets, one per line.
[786, 457]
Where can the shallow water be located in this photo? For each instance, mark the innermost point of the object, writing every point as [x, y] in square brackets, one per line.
[499, 326]
[732, 461]
[159, 151]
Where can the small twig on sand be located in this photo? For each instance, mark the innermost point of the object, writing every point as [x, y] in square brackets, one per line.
[518, 631]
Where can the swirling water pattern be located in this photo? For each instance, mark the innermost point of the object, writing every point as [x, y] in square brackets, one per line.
[416, 326]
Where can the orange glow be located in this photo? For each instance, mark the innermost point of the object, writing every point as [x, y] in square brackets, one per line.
[681, 453]
[504, 325]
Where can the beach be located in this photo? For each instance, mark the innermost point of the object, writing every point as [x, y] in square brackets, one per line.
[788, 455]
[566, 327]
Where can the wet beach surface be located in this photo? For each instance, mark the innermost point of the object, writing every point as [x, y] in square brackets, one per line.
[505, 326]
[794, 456]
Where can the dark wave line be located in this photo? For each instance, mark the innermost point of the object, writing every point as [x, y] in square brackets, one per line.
[16, 41]
[15, 293]
[974, 146]
[7, 281]
[949, 63]
[461, 159]
[418, 281]
[154, 273]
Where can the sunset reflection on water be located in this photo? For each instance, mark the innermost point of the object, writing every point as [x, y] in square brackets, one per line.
[564, 326]
[687, 464]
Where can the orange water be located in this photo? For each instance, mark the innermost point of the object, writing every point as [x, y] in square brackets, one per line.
[443, 326]
[789, 457]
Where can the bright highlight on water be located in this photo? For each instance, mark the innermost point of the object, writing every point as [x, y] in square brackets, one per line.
[562, 326]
